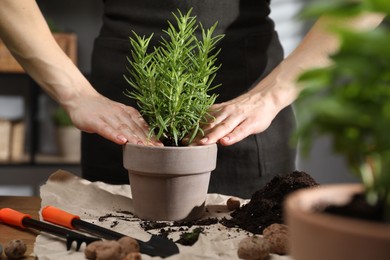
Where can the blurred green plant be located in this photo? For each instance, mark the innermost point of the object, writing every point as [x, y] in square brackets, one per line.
[61, 118]
[350, 99]
[171, 83]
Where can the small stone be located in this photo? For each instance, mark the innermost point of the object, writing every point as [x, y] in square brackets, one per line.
[253, 248]
[277, 237]
[90, 250]
[133, 256]
[104, 250]
[15, 249]
[129, 245]
[233, 203]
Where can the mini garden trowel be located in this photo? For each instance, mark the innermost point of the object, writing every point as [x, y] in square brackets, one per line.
[156, 246]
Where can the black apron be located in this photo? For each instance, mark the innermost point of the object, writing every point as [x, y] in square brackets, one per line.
[250, 50]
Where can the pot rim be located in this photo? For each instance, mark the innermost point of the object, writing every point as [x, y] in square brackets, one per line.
[170, 160]
[170, 147]
[301, 205]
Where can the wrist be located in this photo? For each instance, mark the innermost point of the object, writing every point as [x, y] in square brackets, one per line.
[62, 80]
[279, 88]
[77, 90]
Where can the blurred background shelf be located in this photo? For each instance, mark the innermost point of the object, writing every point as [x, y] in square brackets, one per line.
[75, 25]
[41, 159]
[67, 42]
[25, 131]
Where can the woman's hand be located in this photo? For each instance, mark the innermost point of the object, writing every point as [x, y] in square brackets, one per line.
[234, 120]
[114, 121]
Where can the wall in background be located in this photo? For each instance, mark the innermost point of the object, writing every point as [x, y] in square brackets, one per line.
[289, 27]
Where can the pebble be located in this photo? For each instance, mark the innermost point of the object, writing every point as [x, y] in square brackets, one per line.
[233, 203]
[253, 248]
[15, 249]
[277, 237]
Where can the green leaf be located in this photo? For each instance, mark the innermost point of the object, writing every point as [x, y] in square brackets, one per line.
[332, 7]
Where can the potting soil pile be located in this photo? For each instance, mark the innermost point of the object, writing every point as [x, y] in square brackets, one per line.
[110, 206]
[266, 204]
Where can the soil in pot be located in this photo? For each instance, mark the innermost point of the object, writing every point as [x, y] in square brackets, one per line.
[359, 208]
[335, 236]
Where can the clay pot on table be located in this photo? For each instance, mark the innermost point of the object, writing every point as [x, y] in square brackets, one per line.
[321, 236]
[169, 183]
[69, 142]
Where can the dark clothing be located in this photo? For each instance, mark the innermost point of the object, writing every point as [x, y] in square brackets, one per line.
[249, 51]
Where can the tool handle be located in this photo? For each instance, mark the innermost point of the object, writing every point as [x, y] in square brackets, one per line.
[13, 217]
[97, 230]
[19, 219]
[45, 227]
[59, 217]
[69, 235]
[66, 219]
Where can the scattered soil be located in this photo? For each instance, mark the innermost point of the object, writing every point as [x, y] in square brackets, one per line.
[164, 228]
[187, 238]
[265, 208]
[148, 225]
[266, 205]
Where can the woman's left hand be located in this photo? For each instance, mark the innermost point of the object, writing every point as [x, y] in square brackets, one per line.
[234, 120]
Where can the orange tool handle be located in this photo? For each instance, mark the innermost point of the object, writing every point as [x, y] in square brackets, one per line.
[13, 217]
[58, 216]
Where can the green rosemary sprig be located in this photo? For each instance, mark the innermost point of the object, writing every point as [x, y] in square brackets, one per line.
[171, 83]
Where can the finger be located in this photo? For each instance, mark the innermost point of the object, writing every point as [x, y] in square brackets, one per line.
[112, 129]
[239, 133]
[137, 134]
[105, 130]
[220, 130]
[215, 118]
[123, 136]
[131, 114]
[131, 126]
[141, 129]
[108, 132]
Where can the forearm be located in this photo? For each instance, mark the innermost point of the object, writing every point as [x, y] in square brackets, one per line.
[27, 35]
[313, 51]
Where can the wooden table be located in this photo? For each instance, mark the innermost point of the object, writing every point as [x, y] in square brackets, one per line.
[28, 205]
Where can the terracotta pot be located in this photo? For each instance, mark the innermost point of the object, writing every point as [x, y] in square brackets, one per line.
[169, 183]
[320, 236]
[69, 139]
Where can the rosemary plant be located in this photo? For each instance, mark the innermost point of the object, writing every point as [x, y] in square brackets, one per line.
[171, 84]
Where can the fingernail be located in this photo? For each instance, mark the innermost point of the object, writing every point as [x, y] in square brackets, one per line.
[204, 140]
[226, 138]
[122, 138]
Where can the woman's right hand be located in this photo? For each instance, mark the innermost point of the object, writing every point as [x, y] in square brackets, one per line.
[94, 113]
